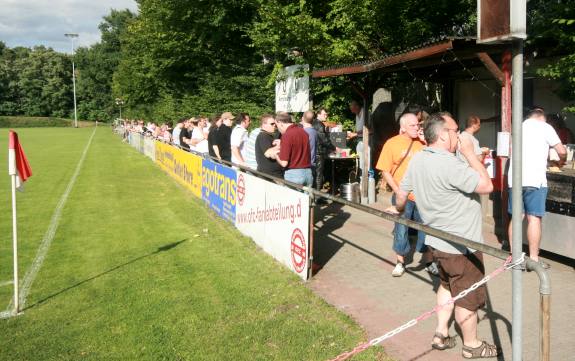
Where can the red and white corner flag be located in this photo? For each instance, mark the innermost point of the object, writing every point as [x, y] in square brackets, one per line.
[17, 163]
[19, 170]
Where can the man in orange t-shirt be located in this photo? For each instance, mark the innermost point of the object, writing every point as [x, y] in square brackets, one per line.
[393, 162]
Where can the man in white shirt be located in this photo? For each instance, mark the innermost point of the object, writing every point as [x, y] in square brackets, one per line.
[239, 138]
[472, 126]
[199, 140]
[538, 138]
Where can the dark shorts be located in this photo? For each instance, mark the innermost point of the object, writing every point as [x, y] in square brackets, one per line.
[533, 201]
[458, 272]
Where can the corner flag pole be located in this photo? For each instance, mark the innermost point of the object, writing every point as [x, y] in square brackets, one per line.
[12, 171]
[15, 244]
[19, 170]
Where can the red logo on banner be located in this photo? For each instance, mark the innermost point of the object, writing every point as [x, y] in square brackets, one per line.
[241, 189]
[298, 251]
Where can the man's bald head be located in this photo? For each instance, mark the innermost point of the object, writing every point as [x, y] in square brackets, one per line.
[409, 125]
[307, 117]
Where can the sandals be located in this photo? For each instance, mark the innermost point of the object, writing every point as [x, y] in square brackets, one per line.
[484, 350]
[446, 342]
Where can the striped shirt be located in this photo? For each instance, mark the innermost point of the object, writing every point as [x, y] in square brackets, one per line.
[250, 149]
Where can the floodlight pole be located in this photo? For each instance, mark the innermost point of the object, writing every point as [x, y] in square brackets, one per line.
[73, 36]
[119, 103]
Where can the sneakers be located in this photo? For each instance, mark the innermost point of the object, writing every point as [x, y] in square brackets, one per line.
[398, 270]
[432, 269]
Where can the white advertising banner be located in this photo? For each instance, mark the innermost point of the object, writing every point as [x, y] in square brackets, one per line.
[276, 218]
[292, 89]
[150, 148]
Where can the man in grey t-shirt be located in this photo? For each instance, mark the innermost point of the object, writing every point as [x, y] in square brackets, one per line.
[446, 190]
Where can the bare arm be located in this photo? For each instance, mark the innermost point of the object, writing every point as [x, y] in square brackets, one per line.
[272, 152]
[400, 200]
[389, 179]
[195, 141]
[237, 154]
[283, 163]
[217, 151]
[561, 151]
[485, 186]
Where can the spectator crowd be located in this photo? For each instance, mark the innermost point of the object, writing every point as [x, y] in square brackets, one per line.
[434, 172]
[278, 146]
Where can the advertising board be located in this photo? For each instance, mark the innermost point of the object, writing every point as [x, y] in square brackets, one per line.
[276, 218]
[219, 189]
[183, 166]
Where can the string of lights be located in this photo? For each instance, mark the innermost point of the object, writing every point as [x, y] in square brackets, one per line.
[453, 58]
[473, 76]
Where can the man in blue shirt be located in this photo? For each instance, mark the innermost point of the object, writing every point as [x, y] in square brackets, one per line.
[306, 123]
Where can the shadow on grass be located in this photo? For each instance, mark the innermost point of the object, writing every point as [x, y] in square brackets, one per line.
[163, 248]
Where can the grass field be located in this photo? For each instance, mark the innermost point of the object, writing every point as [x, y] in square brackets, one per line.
[140, 270]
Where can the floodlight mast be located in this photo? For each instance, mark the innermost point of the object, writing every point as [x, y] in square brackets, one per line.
[73, 36]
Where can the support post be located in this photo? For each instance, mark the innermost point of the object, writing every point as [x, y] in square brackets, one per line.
[311, 224]
[544, 309]
[366, 166]
[505, 127]
[544, 328]
[517, 206]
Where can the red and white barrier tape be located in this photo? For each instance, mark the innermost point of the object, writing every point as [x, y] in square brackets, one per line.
[506, 265]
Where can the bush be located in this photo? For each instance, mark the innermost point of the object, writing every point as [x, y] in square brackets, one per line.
[33, 122]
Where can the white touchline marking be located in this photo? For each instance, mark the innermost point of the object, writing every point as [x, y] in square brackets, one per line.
[48, 237]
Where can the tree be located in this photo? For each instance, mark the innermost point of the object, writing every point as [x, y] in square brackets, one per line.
[344, 31]
[552, 34]
[96, 67]
[178, 52]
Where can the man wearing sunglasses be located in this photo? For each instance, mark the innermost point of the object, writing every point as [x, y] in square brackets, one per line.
[447, 190]
[267, 147]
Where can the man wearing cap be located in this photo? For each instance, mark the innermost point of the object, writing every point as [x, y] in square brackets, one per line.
[223, 137]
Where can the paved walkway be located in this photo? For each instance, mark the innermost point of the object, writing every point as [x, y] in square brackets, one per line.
[355, 251]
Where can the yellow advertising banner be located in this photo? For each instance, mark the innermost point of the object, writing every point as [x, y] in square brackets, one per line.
[185, 167]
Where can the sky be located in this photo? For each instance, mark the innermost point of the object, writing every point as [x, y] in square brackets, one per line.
[44, 22]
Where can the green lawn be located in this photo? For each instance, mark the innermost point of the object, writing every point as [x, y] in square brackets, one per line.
[140, 270]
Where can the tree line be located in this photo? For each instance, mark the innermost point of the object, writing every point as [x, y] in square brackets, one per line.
[180, 57]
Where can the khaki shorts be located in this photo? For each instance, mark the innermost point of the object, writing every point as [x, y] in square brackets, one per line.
[458, 272]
